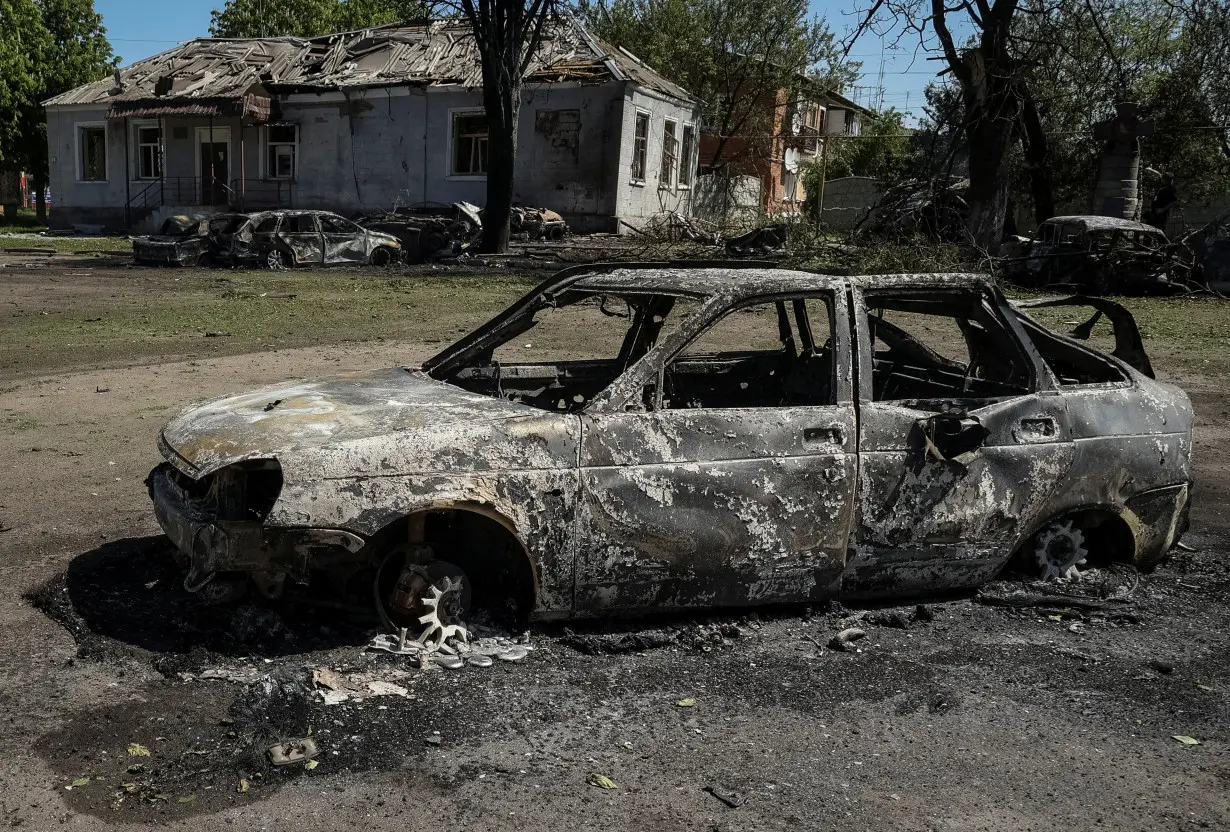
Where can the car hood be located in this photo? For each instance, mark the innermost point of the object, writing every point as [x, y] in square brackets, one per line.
[372, 423]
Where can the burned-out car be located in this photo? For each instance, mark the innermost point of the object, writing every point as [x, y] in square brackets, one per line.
[1102, 255]
[627, 438]
[274, 239]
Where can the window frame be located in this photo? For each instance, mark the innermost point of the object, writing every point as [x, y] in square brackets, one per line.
[139, 146]
[453, 115]
[269, 172]
[713, 312]
[687, 156]
[78, 133]
[669, 154]
[864, 302]
[640, 147]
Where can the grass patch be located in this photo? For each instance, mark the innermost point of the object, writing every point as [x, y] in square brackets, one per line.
[10, 239]
[146, 316]
[18, 422]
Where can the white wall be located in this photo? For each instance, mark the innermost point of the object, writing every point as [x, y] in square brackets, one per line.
[381, 148]
[638, 201]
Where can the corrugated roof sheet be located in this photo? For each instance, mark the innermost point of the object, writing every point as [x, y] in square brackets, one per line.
[441, 52]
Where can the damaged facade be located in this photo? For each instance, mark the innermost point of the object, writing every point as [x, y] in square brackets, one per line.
[367, 121]
[665, 436]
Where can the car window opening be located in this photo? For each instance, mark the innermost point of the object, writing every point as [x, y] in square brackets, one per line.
[926, 351]
[770, 354]
[562, 352]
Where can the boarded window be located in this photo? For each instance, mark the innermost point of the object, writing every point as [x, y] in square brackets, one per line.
[92, 145]
[469, 143]
[560, 134]
[670, 153]
[283, 149]
[687, 155]
[149, 152]
[640, 147]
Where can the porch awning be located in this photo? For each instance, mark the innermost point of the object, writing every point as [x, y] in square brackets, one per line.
[253, 107]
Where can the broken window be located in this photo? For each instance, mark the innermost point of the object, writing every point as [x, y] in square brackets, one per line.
[640, 147]
[686, 152]
[771, 354]
[563, 351]
[299, 224]
[670, 154]
[469, 143]
[92, 146]
[283, 149]
[149, 152]
[943, 346]
[268, 225]
[332, 224]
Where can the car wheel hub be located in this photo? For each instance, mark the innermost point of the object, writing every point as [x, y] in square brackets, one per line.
[1059, 549]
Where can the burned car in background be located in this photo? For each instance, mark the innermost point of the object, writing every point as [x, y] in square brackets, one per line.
[274, 239]
[664, 436]
[182, 242]
[1101, 255]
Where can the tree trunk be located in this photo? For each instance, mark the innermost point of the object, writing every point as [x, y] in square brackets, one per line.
[1037, 158]
[991, 112]
[40, 197]
[501, 168]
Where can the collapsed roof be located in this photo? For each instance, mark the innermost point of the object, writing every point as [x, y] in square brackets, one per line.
[236, 76]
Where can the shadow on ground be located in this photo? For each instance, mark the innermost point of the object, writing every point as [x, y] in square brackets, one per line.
[127, 595]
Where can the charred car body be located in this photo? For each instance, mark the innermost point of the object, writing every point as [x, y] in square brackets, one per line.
[627, 438]
[275, 239]
[1100, 255]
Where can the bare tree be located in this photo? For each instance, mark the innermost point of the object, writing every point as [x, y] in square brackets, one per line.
[987, 71]
[507, 34]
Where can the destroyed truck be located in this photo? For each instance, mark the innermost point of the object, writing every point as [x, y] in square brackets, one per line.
[628, 438]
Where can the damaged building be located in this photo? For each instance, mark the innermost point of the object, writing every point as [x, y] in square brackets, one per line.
[364, 121]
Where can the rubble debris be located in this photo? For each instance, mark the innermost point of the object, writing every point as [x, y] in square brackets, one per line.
[537, 223]
[731, 798]
[932, 208]
[688, 702]
[1186, 740]
[479, 660]
[292, 751]
[434, 739]
[767, 241]
[844, 640]
[601, 781]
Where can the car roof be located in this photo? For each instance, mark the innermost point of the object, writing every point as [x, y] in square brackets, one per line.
[737, 280]
[1096, 223]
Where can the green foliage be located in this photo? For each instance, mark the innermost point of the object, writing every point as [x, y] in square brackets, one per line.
[735, 55]
[22, 39]
[882, 150]
[1083, 57]
[74, 51]
[307, 18]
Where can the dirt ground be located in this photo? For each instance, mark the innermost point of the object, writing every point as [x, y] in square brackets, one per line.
[965, 714]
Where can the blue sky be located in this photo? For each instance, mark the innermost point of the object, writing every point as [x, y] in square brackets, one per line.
[139, 28]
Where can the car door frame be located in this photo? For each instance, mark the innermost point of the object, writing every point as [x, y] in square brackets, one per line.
[636, 468]
[356, 244]
[927, 524]
[288, 238]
